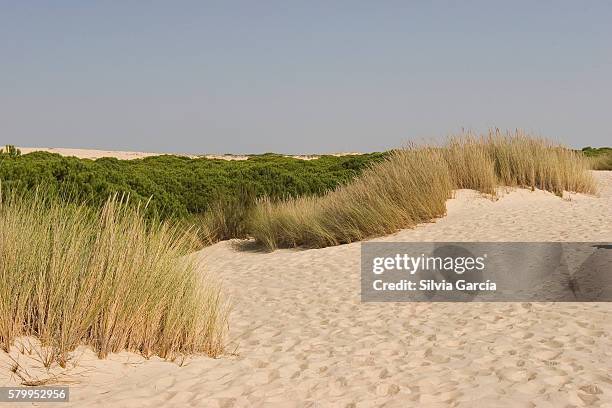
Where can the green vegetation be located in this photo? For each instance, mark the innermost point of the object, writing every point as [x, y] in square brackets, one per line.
[109, 278]
[596, 151]
[10, 151]
[178, 187]
[412, 186]
[78, 265]
[219, 196]
[600, 158]
[228, 217]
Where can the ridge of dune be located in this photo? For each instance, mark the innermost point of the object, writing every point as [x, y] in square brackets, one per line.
[302, 337]
[127, 155]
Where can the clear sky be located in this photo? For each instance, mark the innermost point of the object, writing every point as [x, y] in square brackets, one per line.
[300, 76]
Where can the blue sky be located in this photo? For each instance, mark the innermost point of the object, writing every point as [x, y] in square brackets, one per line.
[300, 77]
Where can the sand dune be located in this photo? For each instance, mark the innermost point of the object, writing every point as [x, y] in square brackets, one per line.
[302, 338]
[123, 155]
[89, 153]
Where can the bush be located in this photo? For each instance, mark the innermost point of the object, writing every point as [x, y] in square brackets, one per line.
[599, 158]
[228, 216]
[412, 185]
[10, 151]
[178, 187]
[106, 278]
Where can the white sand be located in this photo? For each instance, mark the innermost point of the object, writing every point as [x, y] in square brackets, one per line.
[303, 338]
[122, 155]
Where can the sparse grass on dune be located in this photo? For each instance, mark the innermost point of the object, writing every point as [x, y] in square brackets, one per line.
[109, 278]
[412, 186]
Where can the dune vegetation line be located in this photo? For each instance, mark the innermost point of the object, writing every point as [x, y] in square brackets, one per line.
[108, 278]
[176, 188]
[412, 185]
[599, 158]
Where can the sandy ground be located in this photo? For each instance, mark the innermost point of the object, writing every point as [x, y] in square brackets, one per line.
[303, 339]
[121, 155]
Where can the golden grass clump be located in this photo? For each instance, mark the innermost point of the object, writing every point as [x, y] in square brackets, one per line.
[516, 159]
[408, 188]
[412, 186]
[110, 279]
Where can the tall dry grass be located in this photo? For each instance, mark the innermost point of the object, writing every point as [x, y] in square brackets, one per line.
[412, 186]
[109, 279]
[405, 190]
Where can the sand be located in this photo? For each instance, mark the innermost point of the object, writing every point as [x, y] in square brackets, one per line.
[123, 155]
[301, 337]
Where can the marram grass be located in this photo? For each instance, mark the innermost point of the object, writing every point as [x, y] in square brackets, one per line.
[412, 186]
[110, 279]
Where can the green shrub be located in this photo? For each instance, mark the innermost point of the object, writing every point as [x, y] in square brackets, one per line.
[10, 151]
[178, 187]
[599, 158]
[228, 216]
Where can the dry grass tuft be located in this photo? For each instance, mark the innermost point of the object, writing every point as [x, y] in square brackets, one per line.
[109, 279]
[517, 160]
[412, 186]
